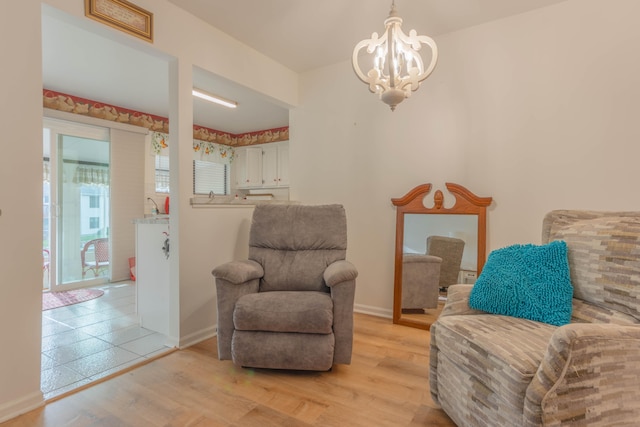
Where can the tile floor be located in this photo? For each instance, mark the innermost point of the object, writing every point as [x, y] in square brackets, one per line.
[84, 342]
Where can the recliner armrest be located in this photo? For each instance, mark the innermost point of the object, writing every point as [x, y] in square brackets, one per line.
[585, 364]
[338, 272]
[238, 272]
[340, 277]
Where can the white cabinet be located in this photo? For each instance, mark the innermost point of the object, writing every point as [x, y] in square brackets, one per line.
[248, 169]
[283, 165]
[265, 166]
[152, 277]
[270, 166]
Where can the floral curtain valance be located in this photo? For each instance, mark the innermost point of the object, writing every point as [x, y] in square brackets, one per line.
[91, 175]
[202, 150]
[159, 143]
[212, 152]
[81, 174]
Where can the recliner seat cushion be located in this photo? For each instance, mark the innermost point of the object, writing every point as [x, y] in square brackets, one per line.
[285, 311]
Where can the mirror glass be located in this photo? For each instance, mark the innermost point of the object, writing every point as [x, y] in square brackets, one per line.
[417, 227]
[435, 247]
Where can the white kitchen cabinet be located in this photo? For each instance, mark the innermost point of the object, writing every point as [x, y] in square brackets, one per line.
[270, 170]
[270, 166]
[248, 167]
[283, 164]
[152, 276]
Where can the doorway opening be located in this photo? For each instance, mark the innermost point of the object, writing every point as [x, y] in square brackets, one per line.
[76, 205]
[84, 341]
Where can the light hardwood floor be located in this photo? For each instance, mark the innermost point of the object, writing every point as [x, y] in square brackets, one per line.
[385, 385]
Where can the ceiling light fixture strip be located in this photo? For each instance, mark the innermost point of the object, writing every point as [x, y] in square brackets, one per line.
[214, 98]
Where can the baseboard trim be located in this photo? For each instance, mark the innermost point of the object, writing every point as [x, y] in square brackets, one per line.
[20, 406]
[373, 311]
[171, 342]
[198, 336]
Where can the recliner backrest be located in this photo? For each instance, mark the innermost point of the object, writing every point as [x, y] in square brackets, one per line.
[604, 257]
[450, 249]
[295, 244]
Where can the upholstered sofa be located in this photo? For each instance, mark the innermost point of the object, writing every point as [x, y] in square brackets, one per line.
[495, 370]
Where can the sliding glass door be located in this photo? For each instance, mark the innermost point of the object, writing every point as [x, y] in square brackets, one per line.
[77, 215]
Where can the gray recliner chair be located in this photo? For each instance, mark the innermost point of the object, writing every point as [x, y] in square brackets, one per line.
[420, 281]
[290, 305]
[450, 249]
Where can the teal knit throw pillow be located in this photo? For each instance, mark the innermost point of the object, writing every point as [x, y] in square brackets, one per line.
[527, 281]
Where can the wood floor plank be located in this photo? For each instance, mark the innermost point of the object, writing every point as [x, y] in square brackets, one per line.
[385, 385]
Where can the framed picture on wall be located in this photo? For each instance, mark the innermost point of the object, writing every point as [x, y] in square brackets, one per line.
[123, 15]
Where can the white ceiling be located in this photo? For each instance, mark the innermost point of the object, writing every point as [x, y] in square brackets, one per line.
[307, 34]
[300, 34]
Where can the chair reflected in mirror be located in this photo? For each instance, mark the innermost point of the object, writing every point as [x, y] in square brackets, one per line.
[450, 250]
[420, 281]
[425, 277]
[95, 257]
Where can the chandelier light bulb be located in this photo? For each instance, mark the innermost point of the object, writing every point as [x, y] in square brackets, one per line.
[397, 66]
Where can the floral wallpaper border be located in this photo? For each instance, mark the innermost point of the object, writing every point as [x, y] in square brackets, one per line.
[211, 151]
[76, 105]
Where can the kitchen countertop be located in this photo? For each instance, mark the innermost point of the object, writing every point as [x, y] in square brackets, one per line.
[154, 219]
[222, 202]
[232, 201]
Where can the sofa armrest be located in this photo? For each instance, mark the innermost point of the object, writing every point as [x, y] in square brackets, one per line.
[238, 271]
[584, 365]
[340, 276]
[338, 272]
[458, 301]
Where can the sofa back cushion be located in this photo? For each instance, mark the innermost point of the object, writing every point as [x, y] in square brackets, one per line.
[604, 256]
[295, 244]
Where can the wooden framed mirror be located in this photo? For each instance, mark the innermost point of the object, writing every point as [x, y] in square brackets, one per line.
[435, 247]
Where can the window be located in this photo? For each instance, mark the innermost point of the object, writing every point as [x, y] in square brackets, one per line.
[162, 174]
[94, 202]
[94, 222]
[209, 176]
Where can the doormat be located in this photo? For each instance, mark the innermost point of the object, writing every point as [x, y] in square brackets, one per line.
[51, 300]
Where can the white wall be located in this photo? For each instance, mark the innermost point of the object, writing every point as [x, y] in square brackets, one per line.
[127, 194]
[536, 110]
[181, 39]
[219, 235]
[20, 208]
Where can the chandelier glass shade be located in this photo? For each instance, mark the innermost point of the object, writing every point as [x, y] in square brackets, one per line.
[397, 67]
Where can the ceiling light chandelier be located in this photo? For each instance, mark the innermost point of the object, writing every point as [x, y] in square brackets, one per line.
[398, 67]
